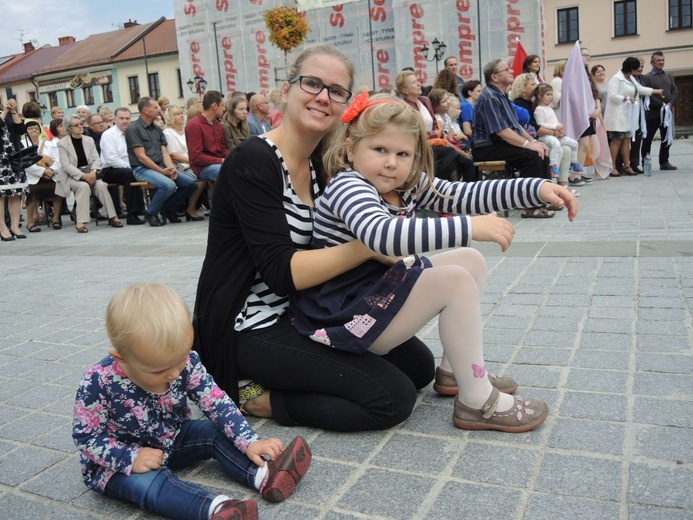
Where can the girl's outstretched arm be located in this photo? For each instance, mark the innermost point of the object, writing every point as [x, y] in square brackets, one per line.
[559, 196]
[480, 198]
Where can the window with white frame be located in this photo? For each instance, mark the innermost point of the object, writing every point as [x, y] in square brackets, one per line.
[154, 87]
[680, 14]
[134, 84]
[107, 92]
[625, 18]
[88, 95]
[568, 25]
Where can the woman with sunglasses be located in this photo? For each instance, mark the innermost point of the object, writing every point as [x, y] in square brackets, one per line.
[258, 252]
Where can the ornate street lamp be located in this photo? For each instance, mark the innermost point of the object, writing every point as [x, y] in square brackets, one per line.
[439, 48]
[197, 85]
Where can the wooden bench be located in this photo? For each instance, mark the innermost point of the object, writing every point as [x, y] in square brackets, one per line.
[494, 170]
[146, 187]
[489, 170]
[148, 190]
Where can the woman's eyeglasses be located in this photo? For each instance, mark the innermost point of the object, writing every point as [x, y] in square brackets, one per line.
[315, 86]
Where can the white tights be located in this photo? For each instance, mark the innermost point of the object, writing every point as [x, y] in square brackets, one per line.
[451, 290]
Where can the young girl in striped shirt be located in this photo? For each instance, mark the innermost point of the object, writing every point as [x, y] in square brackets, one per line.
[380, 165]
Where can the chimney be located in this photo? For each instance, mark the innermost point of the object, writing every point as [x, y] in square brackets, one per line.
[28, 47]
[130, 23]
[64, 40]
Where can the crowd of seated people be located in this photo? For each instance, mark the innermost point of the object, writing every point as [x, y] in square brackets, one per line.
[106, 155]
[103, 153]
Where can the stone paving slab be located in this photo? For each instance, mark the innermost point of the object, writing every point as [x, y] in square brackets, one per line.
[593, 316]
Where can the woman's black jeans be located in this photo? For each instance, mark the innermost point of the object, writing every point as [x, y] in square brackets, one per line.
[319, 386]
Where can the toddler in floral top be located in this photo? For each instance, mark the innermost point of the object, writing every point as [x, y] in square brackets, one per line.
[133, 425]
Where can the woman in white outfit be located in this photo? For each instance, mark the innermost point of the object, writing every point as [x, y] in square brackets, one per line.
[618, 116]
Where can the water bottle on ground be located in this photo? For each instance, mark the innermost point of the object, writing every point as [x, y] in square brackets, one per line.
[647, 165]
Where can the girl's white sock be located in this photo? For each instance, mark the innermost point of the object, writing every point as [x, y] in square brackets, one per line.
[215, 503]
[260, 476]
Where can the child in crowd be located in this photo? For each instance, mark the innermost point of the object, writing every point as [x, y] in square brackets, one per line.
[440, 101]
[133, 426]
[454, 111]
[546, 118]
[380, 165]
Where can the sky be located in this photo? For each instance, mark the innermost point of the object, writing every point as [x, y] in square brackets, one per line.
[46, 20]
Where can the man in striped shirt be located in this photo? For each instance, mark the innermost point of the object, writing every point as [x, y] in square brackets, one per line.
[498, 136]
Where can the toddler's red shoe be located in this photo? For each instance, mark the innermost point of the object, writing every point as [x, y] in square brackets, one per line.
[286, 471]
[236, 510]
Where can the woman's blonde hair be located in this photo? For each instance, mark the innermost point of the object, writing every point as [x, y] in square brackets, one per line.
[520, 83]
[154, 314]
[321, 49]
[104, 111]
[294, 70]
[373, 120]
[275, 97]
[193, 111]
[559, 68]
[171, 113]
[401, 79]
[194, 100]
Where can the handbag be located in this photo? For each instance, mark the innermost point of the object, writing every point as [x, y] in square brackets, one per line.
[21, 159]
[45, 161]
[88, 168]
[186, 171]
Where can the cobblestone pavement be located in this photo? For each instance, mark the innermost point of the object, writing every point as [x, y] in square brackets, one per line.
[594, 316]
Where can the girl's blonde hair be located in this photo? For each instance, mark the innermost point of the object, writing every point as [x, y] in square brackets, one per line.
[539, 93]
[373, 120]
[171, 113]
[154, 314]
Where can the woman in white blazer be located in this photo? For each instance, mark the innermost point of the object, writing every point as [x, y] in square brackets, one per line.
[621, 100]
[80, 179]
[41, 178]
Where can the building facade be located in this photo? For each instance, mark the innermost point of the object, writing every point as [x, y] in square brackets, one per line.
[110, 69]
[115, 69]
[613, 30]
[18, 71]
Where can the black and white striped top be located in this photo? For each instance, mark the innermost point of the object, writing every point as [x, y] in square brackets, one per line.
[351, 208]
[262, 307]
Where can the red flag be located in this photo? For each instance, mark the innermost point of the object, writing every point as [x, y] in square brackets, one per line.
[519, 59]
